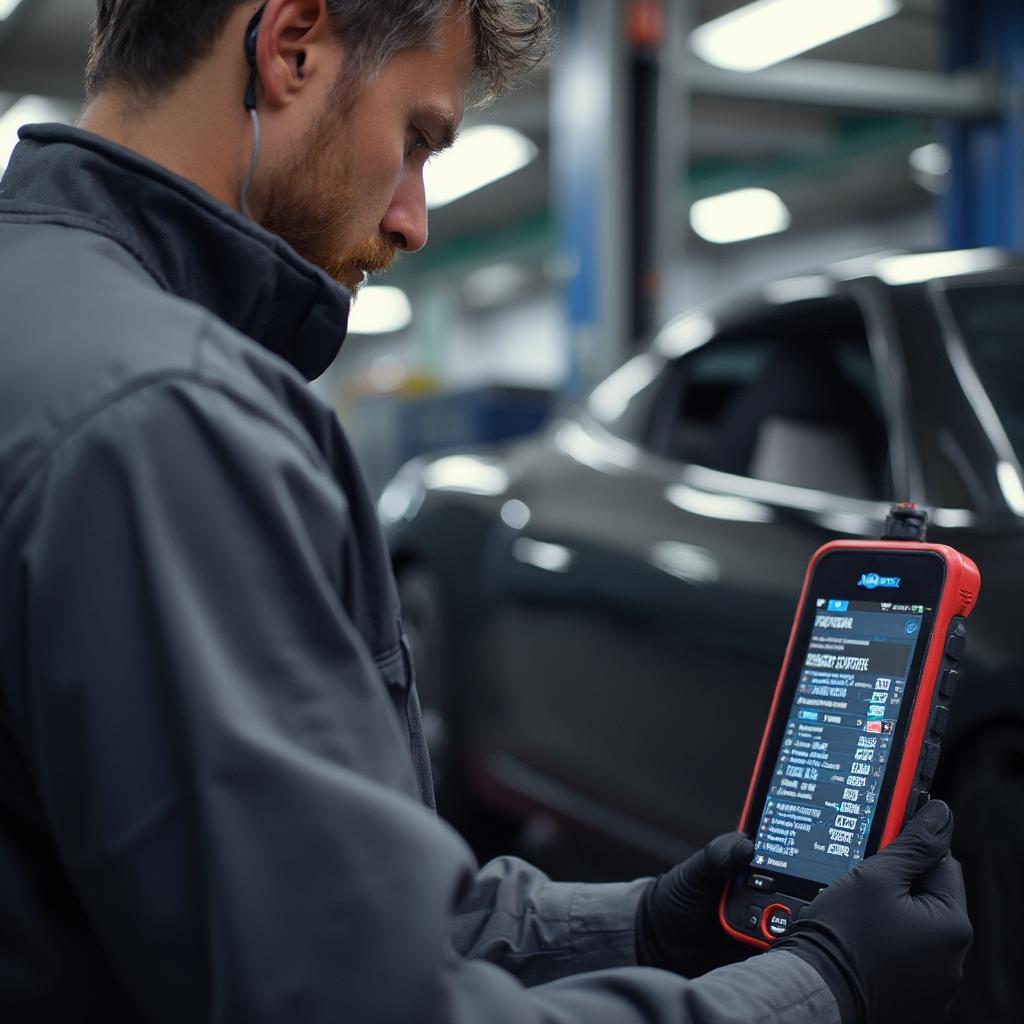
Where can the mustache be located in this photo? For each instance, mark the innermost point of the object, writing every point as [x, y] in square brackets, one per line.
[376, 255]
[372, 257]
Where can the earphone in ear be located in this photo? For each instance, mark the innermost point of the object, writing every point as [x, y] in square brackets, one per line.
[252, 33]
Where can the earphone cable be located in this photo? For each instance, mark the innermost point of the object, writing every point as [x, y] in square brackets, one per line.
[252, 163]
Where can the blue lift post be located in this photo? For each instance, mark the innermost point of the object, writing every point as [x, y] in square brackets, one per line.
[614, 154]
[588, 176]
[985, 202]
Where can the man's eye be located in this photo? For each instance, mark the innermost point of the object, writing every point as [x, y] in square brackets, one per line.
[419, 142]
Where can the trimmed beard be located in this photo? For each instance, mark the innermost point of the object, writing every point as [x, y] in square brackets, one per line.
[292, 207]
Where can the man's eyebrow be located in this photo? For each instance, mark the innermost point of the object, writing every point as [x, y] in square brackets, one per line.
[445, 122]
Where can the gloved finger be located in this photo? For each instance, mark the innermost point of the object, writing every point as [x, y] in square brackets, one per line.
[709, 869]
[726, 854]
[923, 842]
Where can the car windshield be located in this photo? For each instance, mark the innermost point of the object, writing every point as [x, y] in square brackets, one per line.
[991, 322]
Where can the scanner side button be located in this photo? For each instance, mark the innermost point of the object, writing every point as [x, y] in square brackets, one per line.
[929, 761]
[947, 684]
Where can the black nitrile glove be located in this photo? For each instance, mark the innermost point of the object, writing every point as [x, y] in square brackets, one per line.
[677, 925]
[889, 939]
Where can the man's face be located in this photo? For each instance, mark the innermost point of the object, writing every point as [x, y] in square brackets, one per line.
[353, 196]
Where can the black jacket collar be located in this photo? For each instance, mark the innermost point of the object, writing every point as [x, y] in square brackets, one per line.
[192, 245]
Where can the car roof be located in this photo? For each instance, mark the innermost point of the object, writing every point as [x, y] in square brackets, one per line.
[815, 291]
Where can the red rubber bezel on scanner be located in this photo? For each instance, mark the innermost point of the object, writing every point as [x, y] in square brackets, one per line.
[959, 593]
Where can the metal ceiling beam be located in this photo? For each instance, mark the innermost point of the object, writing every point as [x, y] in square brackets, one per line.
[965, 95]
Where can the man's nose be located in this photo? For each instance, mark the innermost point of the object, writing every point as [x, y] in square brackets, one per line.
[405, 222]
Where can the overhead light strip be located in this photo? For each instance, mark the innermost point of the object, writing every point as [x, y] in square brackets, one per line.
[740, 215]
[8, 7]
[482, 155]
[770, 31]
[26, 110]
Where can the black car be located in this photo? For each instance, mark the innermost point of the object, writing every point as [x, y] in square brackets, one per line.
[599, 613]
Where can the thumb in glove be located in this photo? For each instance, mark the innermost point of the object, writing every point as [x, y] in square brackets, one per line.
[920, 846]
[677, 921]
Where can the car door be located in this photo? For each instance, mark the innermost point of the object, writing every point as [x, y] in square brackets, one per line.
[639, 607]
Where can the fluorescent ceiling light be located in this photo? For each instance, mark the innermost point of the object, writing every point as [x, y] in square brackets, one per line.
[379, 310]
[933, 158]
[770, 31]
[8, 7]
[737, 216]
[386, 373]
[27, 110]
[494, 285]
[930, 167]
[482, 155]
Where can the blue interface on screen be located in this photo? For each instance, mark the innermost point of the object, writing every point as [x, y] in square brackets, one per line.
[837, 739]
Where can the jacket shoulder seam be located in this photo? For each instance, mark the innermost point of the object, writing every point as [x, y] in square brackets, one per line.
[83, 222]
[130, 388]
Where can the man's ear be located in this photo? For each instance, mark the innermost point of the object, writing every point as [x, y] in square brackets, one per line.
[293, 44]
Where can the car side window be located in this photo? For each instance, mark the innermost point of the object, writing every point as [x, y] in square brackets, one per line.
[790, 397]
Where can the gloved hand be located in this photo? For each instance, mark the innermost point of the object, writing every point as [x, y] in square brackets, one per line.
[677, 925]
[889, 939]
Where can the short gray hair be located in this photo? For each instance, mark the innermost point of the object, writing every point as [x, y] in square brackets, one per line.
[147, 45]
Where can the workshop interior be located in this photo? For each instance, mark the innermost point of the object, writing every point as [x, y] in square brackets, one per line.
[720, 284]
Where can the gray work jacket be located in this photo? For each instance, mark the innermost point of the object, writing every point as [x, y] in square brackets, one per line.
[215, 803]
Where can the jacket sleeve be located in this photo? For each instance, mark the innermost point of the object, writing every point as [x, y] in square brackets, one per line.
[540, 930]
[226, 783]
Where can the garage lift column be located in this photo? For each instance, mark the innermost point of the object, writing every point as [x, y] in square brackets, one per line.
[985, 202]
[609, 177]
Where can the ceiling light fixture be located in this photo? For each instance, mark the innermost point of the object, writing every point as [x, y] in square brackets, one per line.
[8, 7]
[930, 167]
[482, 155]
[740, 215]
[494, 285]
[379, 309]
[932, 158]
[26, 110]
[769, 31]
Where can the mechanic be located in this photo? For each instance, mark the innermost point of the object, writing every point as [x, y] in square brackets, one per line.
[215, 801]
